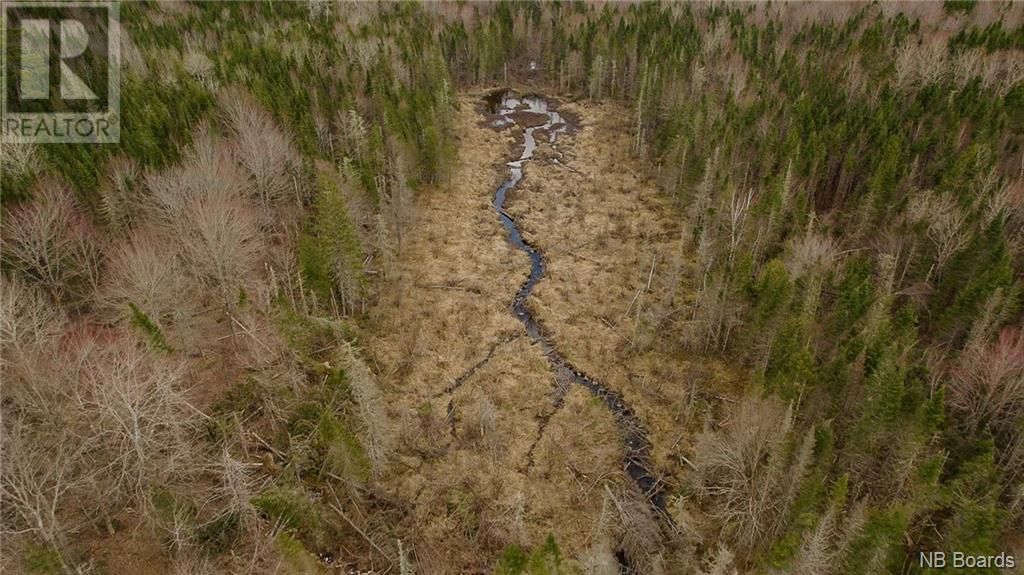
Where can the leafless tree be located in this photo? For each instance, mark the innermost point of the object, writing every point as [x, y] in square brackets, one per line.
[36, 485]
[135, 64]
[722, 562]
[744, 471]
[598, 559]
[19, 160]
[261, 147]
[193, 561]
[220, 245]
[736, 214]
[28, 320]
[199, 66]
[1017, 505]
[734, 76]
[811, 253]
[378, 435]
[487, 423]
[987, 387]
[237, 485]
[397, 196]
[704, 194]
[1005, 200]
[997, 70]
[572, 70]
[140, 418]
[638, 529]
[324, 138]
[405, 565]
[37, 361]
[998, 306]
[597, 73]
[812, 256]
[33, 390]
[946, 224]
[207, 173]
[118, 193]
[714, 316]
[51, 242]
[884, 285]
[921, 65]
[815, 556]
[717, 38]
[353, 133]
[145, 273]
[853, 526]
[1010, 460]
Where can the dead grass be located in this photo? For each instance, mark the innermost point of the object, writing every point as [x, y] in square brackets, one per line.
[612, 242]
[507, 465]
[467, 481]
[447, 302]
[130, 550]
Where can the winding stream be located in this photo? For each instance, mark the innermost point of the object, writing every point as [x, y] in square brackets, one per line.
[637, 461]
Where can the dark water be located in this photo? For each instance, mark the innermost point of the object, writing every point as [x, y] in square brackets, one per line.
[637, 460]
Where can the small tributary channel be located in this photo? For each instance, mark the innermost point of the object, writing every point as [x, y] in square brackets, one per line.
[534, 115]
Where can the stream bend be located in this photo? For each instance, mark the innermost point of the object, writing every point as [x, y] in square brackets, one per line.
[637, 460]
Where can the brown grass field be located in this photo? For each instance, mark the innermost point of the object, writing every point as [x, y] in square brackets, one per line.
[509, 466]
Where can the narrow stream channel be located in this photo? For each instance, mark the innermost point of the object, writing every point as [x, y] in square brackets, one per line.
[637, 460]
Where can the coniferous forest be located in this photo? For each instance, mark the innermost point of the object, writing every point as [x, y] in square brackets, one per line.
[525, 288]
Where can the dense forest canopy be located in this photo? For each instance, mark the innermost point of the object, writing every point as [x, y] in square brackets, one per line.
[185, 313]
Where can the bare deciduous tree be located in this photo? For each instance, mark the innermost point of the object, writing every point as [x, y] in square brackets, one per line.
[31, 327]
[118, 194]
[19, 160]
[946, 224]
[811, 253]
[815, 555]
[714, 316]
[1010, 460]
[264, 151]
[27, 320]
[145, 273]
[987, 387]
[139, 416]
[638, 529]
[812, 256]
[353, 133]
[207, 173]
[378, 435]
[598, 559]
[737, 210]
[51, 242]
[722, 562]
[36, 484]
[853, 526]
[220, 245]
[237, 485]
[486, 423]
[704, 193]
[921, 65]
[397, 196]
[199, 66]
[997, 308]
[745, 474]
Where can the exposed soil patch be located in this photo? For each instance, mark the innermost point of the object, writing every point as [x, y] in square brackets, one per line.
[528, 119]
